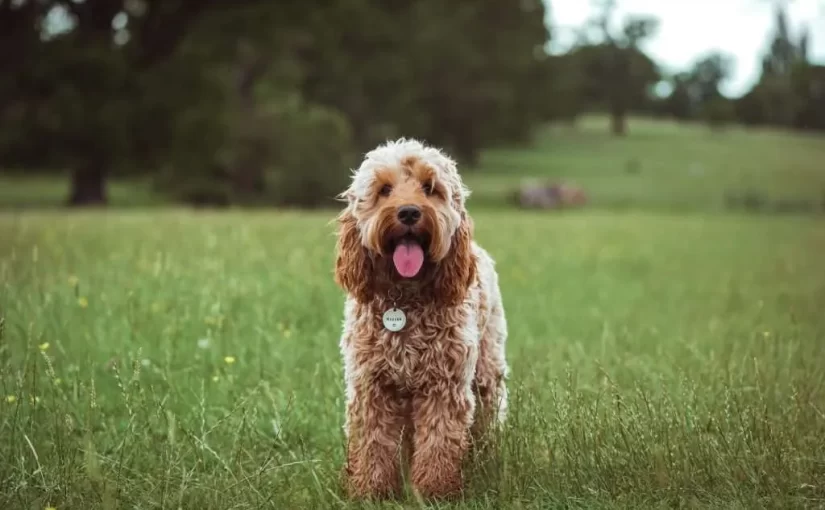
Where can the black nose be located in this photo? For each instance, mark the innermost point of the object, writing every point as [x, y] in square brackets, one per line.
[409, 214]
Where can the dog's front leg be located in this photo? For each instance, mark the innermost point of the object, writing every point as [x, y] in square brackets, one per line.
[442, 416]
[374, 425]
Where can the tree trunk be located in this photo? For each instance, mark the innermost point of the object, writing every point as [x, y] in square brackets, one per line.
[249, 173]
[88, 185]
[250, 160]
[618, 121]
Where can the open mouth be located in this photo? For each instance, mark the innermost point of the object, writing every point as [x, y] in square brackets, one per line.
[408, 254]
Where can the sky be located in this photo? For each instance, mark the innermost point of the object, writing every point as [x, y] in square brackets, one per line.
[739, 28]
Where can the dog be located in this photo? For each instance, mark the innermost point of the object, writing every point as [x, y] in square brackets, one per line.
[424, 330]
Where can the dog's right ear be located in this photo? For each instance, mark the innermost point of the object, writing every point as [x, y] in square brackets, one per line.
[354, 270]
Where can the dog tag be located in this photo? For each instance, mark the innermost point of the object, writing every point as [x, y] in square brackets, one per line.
[394, 319]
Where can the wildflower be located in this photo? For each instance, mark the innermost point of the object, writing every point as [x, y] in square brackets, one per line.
[44, 346]
[203, 343]
[215, 378]
[766, 334]
[83, 302]
[229, 359]
[11, 399]
[73, 280]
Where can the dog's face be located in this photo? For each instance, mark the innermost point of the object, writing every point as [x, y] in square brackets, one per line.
[405, 214]
[407, 209]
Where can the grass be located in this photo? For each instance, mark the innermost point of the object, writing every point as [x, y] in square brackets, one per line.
[664, 354]
[20, 192]
[173, 359]
[661, 165]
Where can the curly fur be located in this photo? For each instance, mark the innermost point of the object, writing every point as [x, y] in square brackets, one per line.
[428, 390]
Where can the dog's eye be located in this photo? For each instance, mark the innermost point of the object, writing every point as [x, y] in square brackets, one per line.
[428, 188]
[385, 190]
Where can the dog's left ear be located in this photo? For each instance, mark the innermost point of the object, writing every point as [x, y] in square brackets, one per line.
[457, 271]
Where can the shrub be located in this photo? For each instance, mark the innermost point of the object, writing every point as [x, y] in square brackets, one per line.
[312, 155]
[719, 112]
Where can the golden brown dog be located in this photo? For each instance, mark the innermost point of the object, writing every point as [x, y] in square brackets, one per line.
[424, 329]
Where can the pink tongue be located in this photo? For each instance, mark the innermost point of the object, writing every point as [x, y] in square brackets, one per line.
[408, 258]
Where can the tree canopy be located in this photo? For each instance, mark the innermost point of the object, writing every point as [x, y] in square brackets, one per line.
[255, 101]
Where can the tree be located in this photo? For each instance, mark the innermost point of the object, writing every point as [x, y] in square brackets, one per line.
[563, 97]
[697, 92]
[681, 103]
[429, 69]
[86, 79]
[208, 97]
[709, 73]
[617, 71]
[773, 100]
[808, 82]
[617, 79]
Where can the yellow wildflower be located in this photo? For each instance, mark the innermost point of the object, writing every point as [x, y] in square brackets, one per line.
[229, 359]
[215, 378]
[11, 399]
[44, 346]
[74, 280]
[83, 302]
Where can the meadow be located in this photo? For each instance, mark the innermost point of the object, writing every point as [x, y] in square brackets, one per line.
[661, 357]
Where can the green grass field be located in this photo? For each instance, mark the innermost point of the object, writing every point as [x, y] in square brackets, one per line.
[165, 358]
[662, 165]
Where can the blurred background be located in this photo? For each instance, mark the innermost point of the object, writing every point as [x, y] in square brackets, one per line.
[546, 104]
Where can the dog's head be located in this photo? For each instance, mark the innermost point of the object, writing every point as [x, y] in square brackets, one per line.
[405, 222]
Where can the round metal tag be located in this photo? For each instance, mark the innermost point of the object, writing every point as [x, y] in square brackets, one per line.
[394, 319]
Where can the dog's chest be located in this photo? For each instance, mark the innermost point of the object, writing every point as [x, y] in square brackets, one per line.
[409, 354]
[429, 348]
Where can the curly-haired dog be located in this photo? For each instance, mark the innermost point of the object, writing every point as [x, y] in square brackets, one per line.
[424, 329]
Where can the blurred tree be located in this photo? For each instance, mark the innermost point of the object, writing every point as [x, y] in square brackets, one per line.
[315, 148]
[563, 98]
[210, 95]
[697, 92]
[256, 50]
[774, 99]
[709, 73]
[82, 73]
[808, 82]
[430, 69]
[718, 112]
[682, 102]
[617, 71]
[783, 52]
[616, 78]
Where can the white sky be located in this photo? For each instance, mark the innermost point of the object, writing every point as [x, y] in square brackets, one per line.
[678, 43]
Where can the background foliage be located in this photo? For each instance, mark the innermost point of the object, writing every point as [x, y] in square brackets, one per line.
[265, 102]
